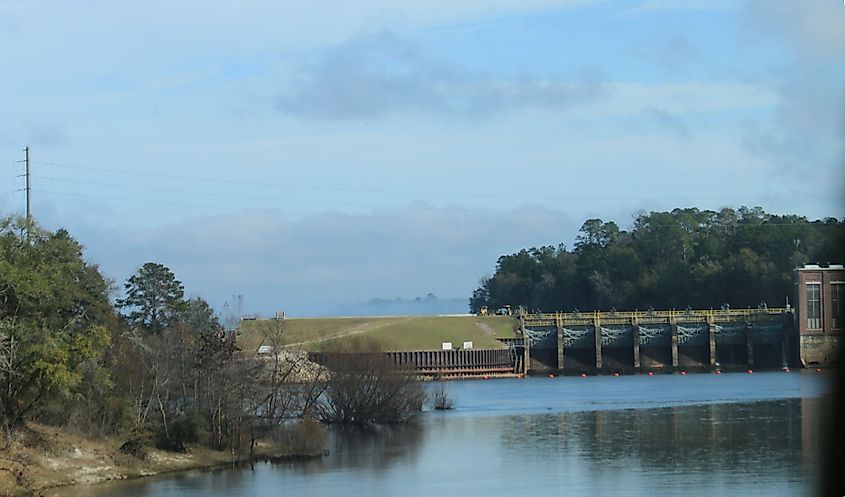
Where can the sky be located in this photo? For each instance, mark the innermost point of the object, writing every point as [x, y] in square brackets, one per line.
[315, 155]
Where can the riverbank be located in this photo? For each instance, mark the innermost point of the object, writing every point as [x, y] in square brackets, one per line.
[40, 457]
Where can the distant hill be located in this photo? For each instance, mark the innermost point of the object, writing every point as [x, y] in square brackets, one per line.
[420, 306]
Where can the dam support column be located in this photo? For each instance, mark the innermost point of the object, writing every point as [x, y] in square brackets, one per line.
[526, 344]
[673, 330]
[711, 341]
[635, 335]
[784, 341]
[749, 343]
[559, 325]
[597, 335]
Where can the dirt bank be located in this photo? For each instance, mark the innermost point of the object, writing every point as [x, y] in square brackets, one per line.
[40, 457]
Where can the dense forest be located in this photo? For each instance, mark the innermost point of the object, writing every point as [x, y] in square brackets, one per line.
[683, 258]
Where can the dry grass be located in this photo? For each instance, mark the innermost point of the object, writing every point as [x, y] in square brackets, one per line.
[41, 457]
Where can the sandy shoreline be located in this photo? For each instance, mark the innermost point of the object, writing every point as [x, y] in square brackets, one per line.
[43, 458]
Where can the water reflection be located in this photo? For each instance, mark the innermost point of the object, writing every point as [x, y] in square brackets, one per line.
[754, 438]
[766, 447]
[374, 448]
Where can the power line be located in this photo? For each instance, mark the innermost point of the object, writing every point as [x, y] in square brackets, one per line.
[290, 186]
[321, 214]
[402, 220]
[238, 197]
[380, 191]
[281, 200]
[98, 197]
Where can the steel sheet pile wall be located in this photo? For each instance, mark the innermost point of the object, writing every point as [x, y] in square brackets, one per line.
[472, 362]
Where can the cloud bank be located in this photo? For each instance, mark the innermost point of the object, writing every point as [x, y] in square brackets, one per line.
[317, 264]
[380, 74]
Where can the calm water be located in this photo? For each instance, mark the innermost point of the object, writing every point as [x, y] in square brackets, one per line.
[693, 435]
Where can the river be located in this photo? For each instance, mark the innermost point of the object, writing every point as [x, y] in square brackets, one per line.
[670, 435]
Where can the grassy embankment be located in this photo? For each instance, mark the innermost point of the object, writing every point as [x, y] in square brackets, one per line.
[390, 333]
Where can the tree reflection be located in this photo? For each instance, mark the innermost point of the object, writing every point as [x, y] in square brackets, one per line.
[749, 438]
[373, 447]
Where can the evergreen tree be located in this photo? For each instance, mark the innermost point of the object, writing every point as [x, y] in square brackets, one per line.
[154, 298]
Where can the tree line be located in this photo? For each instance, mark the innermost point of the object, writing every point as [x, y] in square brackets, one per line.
[667, 260]
[156, 368]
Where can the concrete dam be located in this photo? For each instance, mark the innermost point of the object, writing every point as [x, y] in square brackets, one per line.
[628, 342]
[618, 342]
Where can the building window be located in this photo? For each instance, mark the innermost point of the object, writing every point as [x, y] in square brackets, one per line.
[836, 305]
[814, 306]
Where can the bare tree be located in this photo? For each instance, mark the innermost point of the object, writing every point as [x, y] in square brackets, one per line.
[440, 398]
[365, 387]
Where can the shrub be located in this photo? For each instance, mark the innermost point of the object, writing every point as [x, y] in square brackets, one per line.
[183, 430]
[366, 388]
[301, 438]
[440, 399]
[135, 445]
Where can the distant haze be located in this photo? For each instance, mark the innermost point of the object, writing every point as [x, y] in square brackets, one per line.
[419, 306]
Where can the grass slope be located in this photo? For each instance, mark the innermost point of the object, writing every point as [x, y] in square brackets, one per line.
[391, 333]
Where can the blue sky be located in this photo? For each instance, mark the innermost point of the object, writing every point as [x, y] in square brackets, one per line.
[311, 156]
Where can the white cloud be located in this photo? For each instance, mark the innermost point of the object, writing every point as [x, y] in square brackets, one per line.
[815, 27]
[805, 135]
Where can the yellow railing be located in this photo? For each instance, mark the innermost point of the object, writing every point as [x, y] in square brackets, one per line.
[621, 317]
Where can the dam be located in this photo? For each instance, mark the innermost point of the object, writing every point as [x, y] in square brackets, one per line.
[618, 342]
[633, 341]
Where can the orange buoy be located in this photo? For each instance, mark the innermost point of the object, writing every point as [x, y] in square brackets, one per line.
[583, 375]
[818, 370]
[750, 371]
[551, 375]
[785, 370]
[718, 371]
[683, 372]
[616, 374]
[651, 373]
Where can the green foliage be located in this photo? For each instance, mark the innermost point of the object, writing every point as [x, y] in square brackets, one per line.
[54, 312]
[66, 357]
[686, 257]
[185, 429]
[154, 298]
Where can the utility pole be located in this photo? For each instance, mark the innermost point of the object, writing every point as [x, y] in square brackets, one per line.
[28, 192]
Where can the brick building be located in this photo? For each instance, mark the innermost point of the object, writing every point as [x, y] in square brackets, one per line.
[820, 317]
